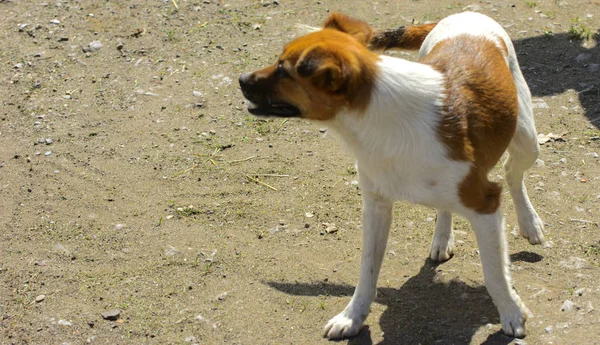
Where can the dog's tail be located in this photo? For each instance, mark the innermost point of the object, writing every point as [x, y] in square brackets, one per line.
[405, 37]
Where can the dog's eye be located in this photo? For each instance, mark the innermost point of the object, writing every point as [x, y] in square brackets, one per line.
[281, 72]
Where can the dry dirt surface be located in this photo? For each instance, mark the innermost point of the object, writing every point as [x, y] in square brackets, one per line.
[141, 204]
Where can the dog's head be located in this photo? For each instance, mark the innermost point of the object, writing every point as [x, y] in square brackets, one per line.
[317, 75]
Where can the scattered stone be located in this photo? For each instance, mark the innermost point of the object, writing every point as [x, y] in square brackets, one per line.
[539, 103]
[120, 46]
[539, 163]
[170, 216]
[593, 67]
[22, 27]
[65, 323]
[330, 228]
[48, 153]
[111, 315]
[256, 27]
[48, 141]
[190, 339]
[119, 226]
[197, 94]
[171, 251]
[55, 21]
[548, 329]
[92, 47]
[61, 249]
[578, 292]
[589, 307]
[573, 263]
[593, 154]
[222, 296]
[322, 130]
[211, 257]
[583, 57]
[40, 298]
[543, 138]
[567, 305]
[276, 229]
[309, 215]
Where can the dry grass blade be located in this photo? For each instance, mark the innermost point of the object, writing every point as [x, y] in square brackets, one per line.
[242, 160]
[260, 182]
[271, 175]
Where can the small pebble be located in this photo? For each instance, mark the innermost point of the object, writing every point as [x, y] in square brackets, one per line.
[55, 21]
[111, 315]
[93, 47]
[65, 323]
[48, 153]
[567, 305]
[40, 298]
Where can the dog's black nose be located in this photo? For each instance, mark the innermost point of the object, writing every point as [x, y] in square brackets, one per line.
[245, 79]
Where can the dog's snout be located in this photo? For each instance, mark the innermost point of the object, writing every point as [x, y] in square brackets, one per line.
[245, 79]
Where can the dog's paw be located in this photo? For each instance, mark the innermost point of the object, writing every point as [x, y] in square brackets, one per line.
[532, 229]
[342, 326]
[441, 250]
[513, 322]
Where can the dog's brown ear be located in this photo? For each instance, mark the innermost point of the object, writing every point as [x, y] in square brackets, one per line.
[353, 27]
[323, 68]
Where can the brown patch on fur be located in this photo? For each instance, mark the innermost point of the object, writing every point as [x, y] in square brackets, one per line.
[358, 29]
[480, 112]
[404, 37]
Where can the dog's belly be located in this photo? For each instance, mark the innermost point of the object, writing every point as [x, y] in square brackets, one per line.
[434, 185]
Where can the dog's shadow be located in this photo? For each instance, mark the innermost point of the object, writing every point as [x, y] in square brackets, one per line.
[422, 311]
[557, 63]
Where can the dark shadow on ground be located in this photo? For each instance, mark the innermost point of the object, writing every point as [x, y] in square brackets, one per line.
[526, 256]
[422, 311]
[556, 63]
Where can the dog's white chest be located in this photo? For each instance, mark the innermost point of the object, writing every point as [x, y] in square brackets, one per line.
[418, 179]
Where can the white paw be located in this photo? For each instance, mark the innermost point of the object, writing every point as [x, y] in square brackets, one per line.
[442, 249]
[532, 229]
[342, 326]
[513, 323]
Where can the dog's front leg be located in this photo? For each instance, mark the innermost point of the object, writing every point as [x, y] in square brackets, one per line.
[377, 215]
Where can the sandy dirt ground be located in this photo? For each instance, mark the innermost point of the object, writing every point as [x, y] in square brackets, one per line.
[141, 204]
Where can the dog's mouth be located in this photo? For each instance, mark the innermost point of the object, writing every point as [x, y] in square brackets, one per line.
[280, 109]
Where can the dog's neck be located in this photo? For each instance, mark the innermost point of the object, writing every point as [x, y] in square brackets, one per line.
[403, 111]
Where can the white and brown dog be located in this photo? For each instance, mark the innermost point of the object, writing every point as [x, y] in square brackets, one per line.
[428, 132]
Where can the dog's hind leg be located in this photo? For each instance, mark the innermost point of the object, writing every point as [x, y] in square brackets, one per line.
[442, 245]
[491, 239]
[523, 152]
[377, 217]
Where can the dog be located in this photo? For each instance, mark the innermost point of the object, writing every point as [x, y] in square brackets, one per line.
[428, 132]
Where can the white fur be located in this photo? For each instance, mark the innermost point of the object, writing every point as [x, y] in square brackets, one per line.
[400, 157]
